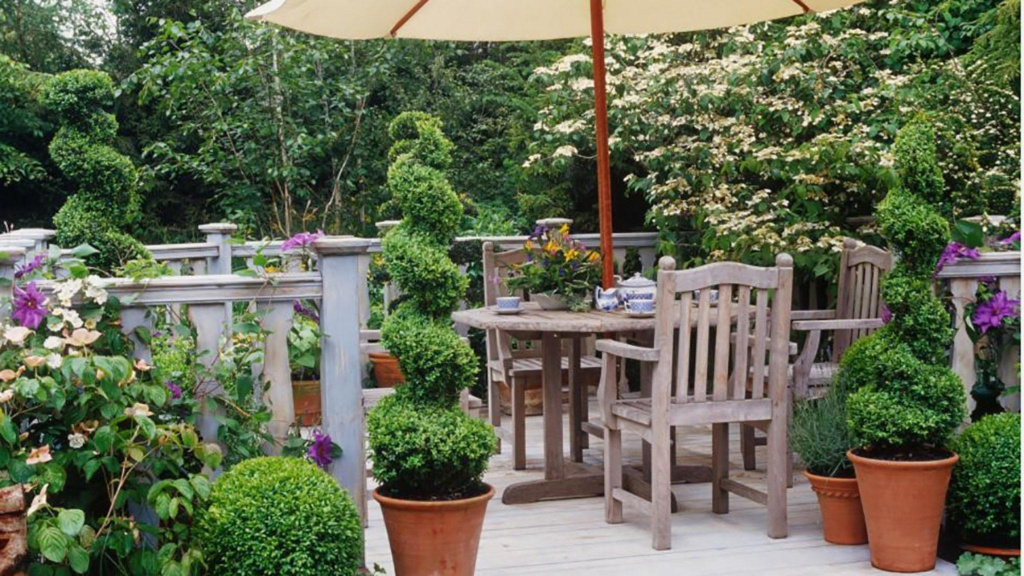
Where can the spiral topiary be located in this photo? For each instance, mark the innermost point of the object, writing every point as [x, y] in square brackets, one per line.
[280, 517]
[107, 200]
[905, 396]
[984, 493]
[422, 446]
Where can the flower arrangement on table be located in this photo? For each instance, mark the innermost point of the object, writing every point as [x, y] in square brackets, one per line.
[558, 266]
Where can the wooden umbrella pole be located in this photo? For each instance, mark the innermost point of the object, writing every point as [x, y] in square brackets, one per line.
[604, 177]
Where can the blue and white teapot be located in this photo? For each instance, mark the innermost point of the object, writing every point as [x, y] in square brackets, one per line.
[606, 300]
[636, 288]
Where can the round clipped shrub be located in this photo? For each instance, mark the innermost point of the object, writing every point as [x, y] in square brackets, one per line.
[432, 355]
[424, 452]
[280, 517]
[984, 495]
[915, 231]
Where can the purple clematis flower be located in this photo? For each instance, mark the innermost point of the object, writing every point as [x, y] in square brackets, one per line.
[303, 311]
[29, 306]
[320, 450]
[174, 389]
[1011, 239]
[990, 313]
[35, 264]
[886, 314]
[955, 251]
[301, 240]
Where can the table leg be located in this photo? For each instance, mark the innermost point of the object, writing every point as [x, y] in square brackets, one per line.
[576, 403]
[554, 458]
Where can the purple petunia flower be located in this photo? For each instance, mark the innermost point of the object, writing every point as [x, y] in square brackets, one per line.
[320, 450]
[174, 389]
[886, 314]
[1011, 239]
[990, 313]
[955, 251]
[301, 240]
[29, 306]
[303, 311]
[31, 267]
[539, 231]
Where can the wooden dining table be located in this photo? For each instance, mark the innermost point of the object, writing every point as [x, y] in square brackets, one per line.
[571, 479]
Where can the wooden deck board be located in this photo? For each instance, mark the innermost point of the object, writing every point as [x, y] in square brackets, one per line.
[570, 537]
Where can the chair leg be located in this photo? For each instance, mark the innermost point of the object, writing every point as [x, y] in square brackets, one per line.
[719, 468]
[777, 475]
[518, 424]
[494, 407]
[748, 447]
[612, 474]
[661, 489]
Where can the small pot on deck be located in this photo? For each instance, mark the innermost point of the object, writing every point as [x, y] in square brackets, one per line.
[306, 399]
[903, 504]
[434, 538]
[841, 514]
[386, 370]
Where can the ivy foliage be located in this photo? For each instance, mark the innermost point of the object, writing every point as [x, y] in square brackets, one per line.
[421, 444]
[906, 397]
[107, 200]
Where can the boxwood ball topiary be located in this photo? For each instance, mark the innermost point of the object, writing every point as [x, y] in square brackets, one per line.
[984, 495]
[280, 517]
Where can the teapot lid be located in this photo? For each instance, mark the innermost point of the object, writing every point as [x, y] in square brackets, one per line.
[637, 281]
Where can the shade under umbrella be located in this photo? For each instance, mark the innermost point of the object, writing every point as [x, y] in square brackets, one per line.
[516, 20]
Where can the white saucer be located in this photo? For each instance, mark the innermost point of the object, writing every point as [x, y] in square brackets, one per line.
[508, 312]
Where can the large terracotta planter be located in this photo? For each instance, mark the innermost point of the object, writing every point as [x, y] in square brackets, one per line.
[434, 538]
[386, 370]
[842, 517]
[306, 399]
[903, 504]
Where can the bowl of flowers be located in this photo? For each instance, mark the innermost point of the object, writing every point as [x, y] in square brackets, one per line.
[559, 272]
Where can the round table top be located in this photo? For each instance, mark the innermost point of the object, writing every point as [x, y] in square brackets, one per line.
[534, 319]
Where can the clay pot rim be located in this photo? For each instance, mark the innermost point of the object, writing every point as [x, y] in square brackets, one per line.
[433, 505]
[381, 356]
[991, 550]
[906, 465]
[829, 479]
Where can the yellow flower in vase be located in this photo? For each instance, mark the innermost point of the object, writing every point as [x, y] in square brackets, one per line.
[551, 247]
[593, 257]
[571, 254]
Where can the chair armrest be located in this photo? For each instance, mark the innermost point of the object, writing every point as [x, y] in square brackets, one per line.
[623, 350]
[812, 314]
[847, 324]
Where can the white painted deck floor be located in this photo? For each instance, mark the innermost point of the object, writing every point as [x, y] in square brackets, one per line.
[570, 537]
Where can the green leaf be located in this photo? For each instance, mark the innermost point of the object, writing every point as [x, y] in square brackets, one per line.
[969, 234]
[53, 544]
[79, 559]
[147, 425]
[71, 521]
[201, 484]
[7, 430]
[103, 438]
[83, 251]
[91, 467]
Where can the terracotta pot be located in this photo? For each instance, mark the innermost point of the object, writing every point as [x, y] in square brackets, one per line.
[434, 538]
[903, 503]
[841, 514]
[992, 550]
[386, 370]
[306, 398]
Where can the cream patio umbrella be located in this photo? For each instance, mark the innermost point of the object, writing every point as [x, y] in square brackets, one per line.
[517, 20]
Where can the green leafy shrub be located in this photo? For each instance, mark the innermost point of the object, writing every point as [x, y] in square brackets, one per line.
[280, 517]
[819, 435]
[984, 494]
[107, 199]
[904, 396]
[978, 565]
[422, 446]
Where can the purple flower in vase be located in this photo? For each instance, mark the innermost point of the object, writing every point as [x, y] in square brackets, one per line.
[303, 311]
[539, 231]
[990, 313]
[320, 450]
[953, 252]
[35, 264]
[29, 306]
[1011, 239]
[174, 389]
[886, 314]
[301, 240]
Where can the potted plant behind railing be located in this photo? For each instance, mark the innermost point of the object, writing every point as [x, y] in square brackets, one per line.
[304, 361]
[818, 434]
[905, 401]
[428, 456]
[560, 272]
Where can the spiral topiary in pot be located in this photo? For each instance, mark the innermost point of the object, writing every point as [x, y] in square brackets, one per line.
[280, 517]
[984, 493]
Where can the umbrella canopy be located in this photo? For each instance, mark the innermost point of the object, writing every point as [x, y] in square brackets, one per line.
[517, 20]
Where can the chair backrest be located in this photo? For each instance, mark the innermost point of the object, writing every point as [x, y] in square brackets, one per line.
[754, 301]
[861, 268]
[497, 270]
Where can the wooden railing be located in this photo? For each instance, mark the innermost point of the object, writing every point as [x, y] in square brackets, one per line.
[963, 277]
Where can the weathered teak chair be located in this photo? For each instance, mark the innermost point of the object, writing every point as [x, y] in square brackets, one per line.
[858, 313]
[515, 366]
[726, 401]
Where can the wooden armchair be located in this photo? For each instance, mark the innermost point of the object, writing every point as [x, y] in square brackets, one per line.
[725, 401]
[517, 362]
